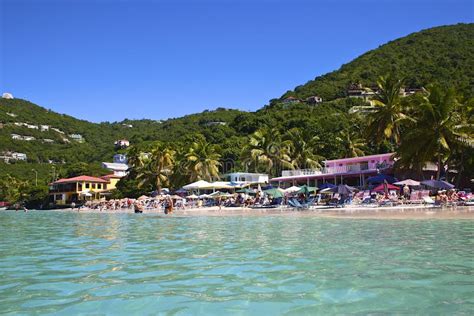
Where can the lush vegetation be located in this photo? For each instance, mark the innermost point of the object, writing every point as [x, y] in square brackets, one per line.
[434, 125]
[443, 55]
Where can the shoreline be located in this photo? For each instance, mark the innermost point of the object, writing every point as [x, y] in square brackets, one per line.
[398, 212]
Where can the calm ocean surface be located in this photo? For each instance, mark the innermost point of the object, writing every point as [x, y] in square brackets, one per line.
[68, 263]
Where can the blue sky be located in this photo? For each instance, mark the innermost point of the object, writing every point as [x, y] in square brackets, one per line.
[109, 60]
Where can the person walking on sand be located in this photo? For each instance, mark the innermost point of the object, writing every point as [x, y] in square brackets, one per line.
[219, 203]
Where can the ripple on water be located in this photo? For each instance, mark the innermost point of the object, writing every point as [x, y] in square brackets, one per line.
[70, 263]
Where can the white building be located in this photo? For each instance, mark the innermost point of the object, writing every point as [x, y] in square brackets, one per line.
[77, 137]
[7, 95]
[19, 156]
[32, 126]
[47, 140]
[44, 128]
[16, 136]
[246, 178]
[11, 114]
[28, 138]
[119, 169]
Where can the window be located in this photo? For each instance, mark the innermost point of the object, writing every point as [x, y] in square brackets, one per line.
[87, 185]
[93, 185]
[99, 186]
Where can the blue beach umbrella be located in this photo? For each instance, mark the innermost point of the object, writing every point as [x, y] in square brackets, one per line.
[380, 178]
[326, 186]
[438, 184]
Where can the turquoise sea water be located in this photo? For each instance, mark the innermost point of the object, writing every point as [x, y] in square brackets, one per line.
[69, 263]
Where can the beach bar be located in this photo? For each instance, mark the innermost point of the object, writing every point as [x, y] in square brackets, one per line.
[353, 171]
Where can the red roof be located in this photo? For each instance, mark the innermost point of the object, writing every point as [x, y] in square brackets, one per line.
[81, 179]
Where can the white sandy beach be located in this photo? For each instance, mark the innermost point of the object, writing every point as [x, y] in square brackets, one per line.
[398, 212]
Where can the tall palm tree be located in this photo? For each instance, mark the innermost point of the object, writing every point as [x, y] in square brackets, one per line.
[266, 149]
[157, 167]
[386, 112]
[352, 143]
[202, 161]
[302, 149]
[439, 130]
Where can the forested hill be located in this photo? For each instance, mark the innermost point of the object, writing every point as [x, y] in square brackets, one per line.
[442, 54]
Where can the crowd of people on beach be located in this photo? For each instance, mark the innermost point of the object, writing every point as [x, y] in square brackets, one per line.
[168, 204]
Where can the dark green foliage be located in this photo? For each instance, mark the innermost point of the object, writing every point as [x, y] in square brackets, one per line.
[442, 55]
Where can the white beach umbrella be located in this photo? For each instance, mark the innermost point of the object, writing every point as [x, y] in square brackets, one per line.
[221, 185]
[201, 184]
[192, 196]
[292, 189]
[408, 182]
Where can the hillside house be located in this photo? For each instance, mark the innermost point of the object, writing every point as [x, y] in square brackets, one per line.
[11, 114]
[32, 126]
[7, 95]
[47, 140]
[16, 137]
[314, 99]
[44, 128]
[28, 138]
[77, 137]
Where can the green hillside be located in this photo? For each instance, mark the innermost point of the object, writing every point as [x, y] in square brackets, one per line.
[442, 54]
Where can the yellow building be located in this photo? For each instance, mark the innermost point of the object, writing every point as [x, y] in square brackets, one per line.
[113, 179]
[79, 189]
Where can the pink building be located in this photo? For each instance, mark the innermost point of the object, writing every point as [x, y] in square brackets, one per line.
[352, 171]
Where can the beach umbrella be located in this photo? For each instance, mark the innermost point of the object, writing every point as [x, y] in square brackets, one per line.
[409, 182]
[201, 184]
[292, 189]
[438, 184]
[220, 185]
[381, 178]
[192, 196]
[275, 192]
[343, 189]
[306, 189]
[246, 191]
[176, 197]
[327, 186]
[143, 197]
[385, 187]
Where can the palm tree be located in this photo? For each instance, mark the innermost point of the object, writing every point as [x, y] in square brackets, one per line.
[266, 149]
[302, 149]
[386, 112]
[202, 161]
[157, 167]
[439, 131]
[352, 143]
